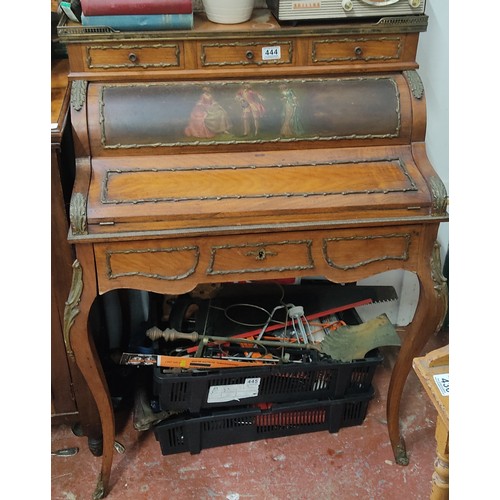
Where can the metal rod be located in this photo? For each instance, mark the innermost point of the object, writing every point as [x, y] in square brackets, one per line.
[170, 334]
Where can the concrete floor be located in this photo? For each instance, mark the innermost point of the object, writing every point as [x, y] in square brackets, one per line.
[356, 462]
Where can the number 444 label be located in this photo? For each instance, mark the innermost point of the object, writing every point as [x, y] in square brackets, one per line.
[271, 53]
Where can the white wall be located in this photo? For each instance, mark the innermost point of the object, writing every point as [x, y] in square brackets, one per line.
[433, 58]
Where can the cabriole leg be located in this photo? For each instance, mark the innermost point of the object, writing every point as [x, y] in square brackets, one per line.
[428, 319]
[80, 347]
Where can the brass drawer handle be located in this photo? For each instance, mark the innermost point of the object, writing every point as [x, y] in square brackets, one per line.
[132, 57]
[358, 51]
[249, 55]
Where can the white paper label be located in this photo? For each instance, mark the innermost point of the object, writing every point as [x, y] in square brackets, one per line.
[271, 53]
[443, 383]
[235, 392]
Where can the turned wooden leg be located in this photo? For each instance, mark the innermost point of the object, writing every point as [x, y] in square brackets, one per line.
[431, 310]
[440, 477]
[80, 346]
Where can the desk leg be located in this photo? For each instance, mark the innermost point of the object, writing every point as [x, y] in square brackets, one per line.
[428, 318]
[80, 345]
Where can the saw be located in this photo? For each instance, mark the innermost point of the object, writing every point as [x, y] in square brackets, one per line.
[350, 342]
[245, 307]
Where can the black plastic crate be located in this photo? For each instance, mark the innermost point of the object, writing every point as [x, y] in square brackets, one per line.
[240, 425]
[197, 390]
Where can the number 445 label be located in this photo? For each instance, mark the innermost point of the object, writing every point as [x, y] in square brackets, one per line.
[271, 53]
[234, 392]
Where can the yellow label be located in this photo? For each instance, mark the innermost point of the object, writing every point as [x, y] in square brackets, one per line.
[301, 5]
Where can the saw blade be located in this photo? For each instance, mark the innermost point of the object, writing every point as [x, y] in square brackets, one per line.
[240, 307]
[351, 342]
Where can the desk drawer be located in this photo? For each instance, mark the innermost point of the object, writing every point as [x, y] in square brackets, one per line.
[125, 56]
[246, 53]
[261, 256]
[173, 264]
[160, 261]
[362, 49]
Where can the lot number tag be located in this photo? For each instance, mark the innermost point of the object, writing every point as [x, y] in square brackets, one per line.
[235, 392]
[443, 383]
[271, 53]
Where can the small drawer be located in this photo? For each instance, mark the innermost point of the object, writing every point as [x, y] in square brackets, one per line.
[134, 56]
[363, 49]
[254, 53]
[262, 256]
[353, 252]
[161, 262]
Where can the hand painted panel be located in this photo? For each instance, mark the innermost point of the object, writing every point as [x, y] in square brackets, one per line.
[232, 112]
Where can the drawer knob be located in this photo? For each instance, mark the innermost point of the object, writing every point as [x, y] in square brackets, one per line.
[358, 51]
[249, 55]
[347, 5]
[132, 57]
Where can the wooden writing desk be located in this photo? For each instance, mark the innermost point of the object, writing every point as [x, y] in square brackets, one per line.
[202, 160]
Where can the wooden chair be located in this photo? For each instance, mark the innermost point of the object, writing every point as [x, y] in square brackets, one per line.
[437, 363]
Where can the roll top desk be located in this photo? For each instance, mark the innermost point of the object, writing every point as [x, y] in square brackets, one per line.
[250, 151]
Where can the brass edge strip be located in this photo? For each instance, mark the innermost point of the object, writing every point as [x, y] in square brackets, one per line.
[205, 231]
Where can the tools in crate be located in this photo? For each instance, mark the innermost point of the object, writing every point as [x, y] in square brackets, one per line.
[283, 333]
[344, 343]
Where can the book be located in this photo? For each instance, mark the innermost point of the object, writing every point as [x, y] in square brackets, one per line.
[142, 7]
[153, 22]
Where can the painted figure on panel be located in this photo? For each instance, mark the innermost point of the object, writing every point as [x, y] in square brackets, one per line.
[292, 125]
[252, 108]
[208, 118]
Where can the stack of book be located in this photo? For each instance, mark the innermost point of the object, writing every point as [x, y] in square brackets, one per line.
[138, 15]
